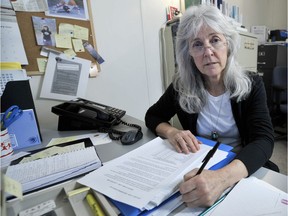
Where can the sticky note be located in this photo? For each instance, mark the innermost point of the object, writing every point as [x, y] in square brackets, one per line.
[12, 187]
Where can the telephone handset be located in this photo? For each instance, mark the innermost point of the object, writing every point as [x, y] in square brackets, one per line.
[96, 114]
[82, 113]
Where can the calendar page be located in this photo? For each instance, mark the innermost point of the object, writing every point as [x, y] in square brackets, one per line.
[12, 48]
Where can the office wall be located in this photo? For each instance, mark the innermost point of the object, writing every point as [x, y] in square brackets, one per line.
[272, 14]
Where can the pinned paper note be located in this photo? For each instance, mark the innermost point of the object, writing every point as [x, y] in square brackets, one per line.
[66, 28]
[78, 45]
[70, 53]
[81, 32]
[12, 187]
[63, 41]
[41, 62]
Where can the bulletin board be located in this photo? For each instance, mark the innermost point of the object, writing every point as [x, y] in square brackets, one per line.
[25, 23]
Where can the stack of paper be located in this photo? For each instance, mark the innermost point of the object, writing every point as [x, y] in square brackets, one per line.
[252, 196]
[148, 175]
[49, 170]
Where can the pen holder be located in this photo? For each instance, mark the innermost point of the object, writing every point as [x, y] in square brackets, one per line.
[6, 146]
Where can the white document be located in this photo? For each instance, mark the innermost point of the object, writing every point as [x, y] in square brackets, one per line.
[253, 197]
[30, 5]
[96, 139]
[65, 78]
[148, 175]
[12, 48]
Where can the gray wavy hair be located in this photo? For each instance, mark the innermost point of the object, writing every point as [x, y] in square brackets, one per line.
[188, 80]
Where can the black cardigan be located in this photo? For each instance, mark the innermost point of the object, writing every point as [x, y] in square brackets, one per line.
[251, 116]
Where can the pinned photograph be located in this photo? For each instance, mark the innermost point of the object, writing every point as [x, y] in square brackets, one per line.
[45, 30]
[73, 9]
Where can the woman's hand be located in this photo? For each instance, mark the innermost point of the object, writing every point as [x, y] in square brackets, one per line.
[183, 141]
[202, 190]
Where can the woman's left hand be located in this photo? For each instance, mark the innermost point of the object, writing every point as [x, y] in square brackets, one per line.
[201, 190]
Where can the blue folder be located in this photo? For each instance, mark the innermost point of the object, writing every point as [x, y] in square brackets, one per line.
[24, 131]
[127, 210]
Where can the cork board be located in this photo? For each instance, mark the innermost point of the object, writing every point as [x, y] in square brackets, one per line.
[30, 44]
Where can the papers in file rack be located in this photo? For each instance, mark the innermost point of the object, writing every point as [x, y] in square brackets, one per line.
[46, 171]
[148, 175]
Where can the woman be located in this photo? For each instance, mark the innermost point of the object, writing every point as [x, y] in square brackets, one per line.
[46, 36]
[213, 97]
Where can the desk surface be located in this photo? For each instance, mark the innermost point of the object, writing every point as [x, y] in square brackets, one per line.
[115, 149]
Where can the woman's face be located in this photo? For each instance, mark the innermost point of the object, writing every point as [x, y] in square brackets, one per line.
[209, 51]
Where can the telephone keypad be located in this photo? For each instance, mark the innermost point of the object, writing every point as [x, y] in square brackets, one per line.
[116, 112]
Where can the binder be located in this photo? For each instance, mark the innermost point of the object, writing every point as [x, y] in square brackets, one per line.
[19, 93]
[87, 143]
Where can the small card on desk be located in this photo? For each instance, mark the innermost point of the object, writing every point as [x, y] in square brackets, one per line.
[24, 131]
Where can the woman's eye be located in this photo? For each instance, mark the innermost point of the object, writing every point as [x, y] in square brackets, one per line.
[215, 40]
[197, 44]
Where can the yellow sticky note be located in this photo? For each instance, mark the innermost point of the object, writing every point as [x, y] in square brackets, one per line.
[12, 187]
[70, 53]
[41, 62]
[66, 28]
[78, 45]
[81, 32]
[10, 65]
[63, 41]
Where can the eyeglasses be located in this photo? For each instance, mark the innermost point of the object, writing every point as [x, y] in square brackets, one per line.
[197, 48]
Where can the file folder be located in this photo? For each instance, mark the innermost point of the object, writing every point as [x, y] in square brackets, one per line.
[19, 93]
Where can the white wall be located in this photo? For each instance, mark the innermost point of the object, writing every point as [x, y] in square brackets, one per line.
[272, 14]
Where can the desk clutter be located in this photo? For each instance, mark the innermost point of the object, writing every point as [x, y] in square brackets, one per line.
[144, 182]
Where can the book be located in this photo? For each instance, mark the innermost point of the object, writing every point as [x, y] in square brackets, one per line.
[47, 166]
[147, 176]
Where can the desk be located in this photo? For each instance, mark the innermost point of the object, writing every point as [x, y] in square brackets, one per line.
[106, 152]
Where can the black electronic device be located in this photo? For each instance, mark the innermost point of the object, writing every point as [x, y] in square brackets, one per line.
[131, 137]
[82, 114]
[90, 113]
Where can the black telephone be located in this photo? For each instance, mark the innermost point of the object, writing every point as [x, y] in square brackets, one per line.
[82, 114]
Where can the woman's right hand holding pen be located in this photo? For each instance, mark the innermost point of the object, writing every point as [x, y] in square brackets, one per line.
[205, 189]
[202, 190]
